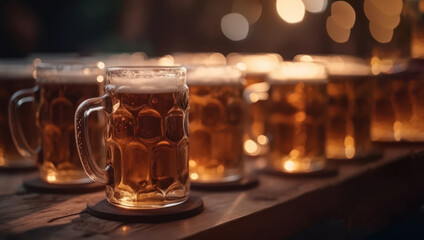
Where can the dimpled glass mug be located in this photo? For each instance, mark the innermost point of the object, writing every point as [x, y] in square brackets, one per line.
[60, 88]
[146, 137]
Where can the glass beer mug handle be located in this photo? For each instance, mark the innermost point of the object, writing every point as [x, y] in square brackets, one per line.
[82, 113]
[18, 136]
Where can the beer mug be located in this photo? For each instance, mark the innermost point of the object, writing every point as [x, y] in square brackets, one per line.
[14, 76]
[216, 123]
[256, 67]
[349, 109]
[146, 136]
[397, 109]
[296, 118]
[59, 89]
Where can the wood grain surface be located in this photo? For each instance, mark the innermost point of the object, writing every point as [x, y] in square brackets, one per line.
[366, 194]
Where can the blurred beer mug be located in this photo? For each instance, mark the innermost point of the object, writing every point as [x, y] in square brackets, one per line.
[14, 76]
[349, 109]
[146, 136]
[256, 66]
[217, 115]
[396, 106]
[59, 89]
[296, 118]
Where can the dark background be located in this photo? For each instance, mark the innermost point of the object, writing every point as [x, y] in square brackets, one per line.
[159, 27]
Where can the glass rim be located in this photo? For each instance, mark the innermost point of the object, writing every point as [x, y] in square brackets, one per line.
[64, 66]
[145, 68]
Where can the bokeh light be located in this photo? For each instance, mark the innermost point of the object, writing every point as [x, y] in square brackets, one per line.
[251, 9]
[336, 32]
[374, 14]
[315, 6]
[380, 33]
[291, 11]
[343, 14]
[389, 7]
[235, 26]
[384, 17]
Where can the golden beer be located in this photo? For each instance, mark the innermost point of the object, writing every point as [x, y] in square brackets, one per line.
[398, 111]
[349, 109]
[216, 124]
[56, 109]
[256, 66]
[297, 109]
[60, 88]
[146, 137]
[15, 76]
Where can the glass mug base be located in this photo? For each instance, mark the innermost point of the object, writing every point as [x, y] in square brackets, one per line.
[229, 176]
[55, 176]
[152, 200]
[300, 165]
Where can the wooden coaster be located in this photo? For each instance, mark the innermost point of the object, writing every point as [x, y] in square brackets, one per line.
[18, 168]
[248, 181]
[38, 185]
[328, 171]
[104, 209]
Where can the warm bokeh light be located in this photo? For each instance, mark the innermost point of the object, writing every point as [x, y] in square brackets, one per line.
[235, 26]
[374, 14]
[194, 176]
[250, 147]
[251, 9]
[337, 33]
[389, 7]
[349, 147]
[100, 78]
[262, 139]
[384, 17]
[380, 33]
[291, 11]
[315, 6]
[343, 14]
[101, 65]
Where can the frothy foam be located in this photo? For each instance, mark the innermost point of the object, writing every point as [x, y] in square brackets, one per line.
[146, 80]
[68, 73]
[295, 72]
[12, 70]
[206, 58]
[261, 63]
[213, 75]
[342, 65]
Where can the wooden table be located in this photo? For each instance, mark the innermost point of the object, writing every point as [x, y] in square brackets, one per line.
[367, 195]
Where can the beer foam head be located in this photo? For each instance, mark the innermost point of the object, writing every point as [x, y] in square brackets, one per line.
[294, 72]
[259, 63]
[10, 70]
[213, 75]
[56, 73]
[339, 65]
[206, 58]
[146, 79]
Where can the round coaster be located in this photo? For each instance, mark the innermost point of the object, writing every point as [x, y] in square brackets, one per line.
[18, 168]
[38, 185]
[248, 181]
[328, 171]
[373, 156]
[104, 209]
